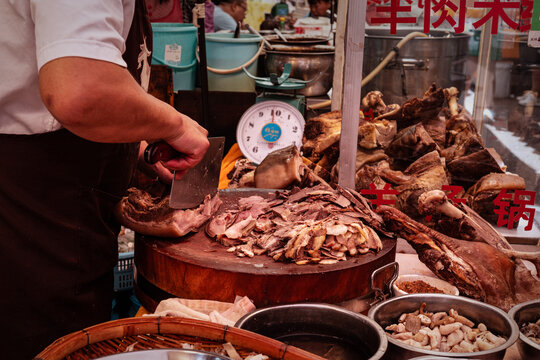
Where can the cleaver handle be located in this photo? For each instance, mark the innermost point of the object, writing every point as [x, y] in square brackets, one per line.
[159, 151]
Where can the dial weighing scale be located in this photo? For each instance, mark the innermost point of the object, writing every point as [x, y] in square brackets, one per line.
[276, 120]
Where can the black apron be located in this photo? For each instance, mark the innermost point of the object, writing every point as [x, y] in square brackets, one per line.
[58, 236]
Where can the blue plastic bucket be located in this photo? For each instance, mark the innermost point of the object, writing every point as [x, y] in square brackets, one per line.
[175, 45]
[225, 53]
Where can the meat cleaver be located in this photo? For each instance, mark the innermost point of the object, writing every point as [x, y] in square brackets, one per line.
[199, 181]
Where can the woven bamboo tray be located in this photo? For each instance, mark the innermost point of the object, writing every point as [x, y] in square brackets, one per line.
[145, 333]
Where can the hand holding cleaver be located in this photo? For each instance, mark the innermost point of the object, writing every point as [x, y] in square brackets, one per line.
[201, 180]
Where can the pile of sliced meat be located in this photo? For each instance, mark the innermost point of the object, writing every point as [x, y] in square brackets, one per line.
[310, 225]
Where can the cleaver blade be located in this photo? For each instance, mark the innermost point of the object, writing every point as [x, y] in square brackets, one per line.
[200, 180]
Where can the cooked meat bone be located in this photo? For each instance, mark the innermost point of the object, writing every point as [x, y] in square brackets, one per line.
[144, 214]
[477, 229]
[460, 262]
[451, 95]
[457, 334]
[279, 169]
[463, 222]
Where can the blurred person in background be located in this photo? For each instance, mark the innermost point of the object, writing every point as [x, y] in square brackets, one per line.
[228, 14]
[179, 11]
[165, 11]
[319, 8]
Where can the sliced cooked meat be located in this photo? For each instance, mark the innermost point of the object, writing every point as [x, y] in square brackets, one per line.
[149, 215]
[306, 225]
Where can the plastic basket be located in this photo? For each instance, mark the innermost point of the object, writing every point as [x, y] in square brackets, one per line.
[143, 333]
[123, 272]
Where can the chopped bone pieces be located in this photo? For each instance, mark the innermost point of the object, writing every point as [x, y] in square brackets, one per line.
[453, 335]
[317, 225]
[531, 330]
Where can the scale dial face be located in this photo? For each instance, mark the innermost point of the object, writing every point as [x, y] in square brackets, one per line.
[268, 126]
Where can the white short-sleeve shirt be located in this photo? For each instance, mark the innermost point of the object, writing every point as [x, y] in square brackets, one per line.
[34, 32]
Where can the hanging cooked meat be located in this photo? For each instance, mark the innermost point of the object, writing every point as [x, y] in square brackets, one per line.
[481, 196]
[380, 173]
[374, 108]
[320, 143]
[426, 173]
[411, 143]
[376, 133]
[420, 110]
[462, 222]
[467, 158]
[320, 133]
[465, 250]
[470, 168]
[477, 269]
[436, 128]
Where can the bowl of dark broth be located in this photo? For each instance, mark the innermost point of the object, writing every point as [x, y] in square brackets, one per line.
[322, 329]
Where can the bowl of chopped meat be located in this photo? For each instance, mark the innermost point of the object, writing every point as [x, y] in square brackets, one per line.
[527, 317]
[444, 325]
[419, 284]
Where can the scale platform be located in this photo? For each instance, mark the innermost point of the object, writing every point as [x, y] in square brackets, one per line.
[282, 88]
[297, 101]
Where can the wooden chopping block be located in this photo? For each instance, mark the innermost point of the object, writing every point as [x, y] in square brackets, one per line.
[196, 267]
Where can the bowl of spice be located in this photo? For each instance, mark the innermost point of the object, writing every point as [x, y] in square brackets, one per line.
[415, 284]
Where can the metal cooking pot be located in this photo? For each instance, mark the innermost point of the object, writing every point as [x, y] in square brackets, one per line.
[439, 58]
[326, 330]
[308, 62]
[495, 319]
[166, 354]
[298, 40]
[526, 312]
[272, 32]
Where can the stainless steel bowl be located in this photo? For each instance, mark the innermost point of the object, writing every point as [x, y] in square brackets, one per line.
[496, 320]
[322, 329]
[166, 354]
[307, 63]
[526, 312]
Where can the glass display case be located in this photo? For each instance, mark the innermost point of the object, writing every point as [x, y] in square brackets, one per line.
[484, 51]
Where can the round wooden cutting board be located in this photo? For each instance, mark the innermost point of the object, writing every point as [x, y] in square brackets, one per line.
[197, 267]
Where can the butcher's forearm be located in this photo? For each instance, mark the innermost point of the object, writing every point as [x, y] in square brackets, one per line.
[100, 101]
[129, 117]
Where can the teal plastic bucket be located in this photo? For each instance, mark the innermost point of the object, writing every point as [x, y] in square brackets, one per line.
[175, 46]
[225, 55]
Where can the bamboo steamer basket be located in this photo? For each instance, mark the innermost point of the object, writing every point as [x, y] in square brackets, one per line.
[146, 333]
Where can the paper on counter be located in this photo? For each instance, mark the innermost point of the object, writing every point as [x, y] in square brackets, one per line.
[208, 310]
